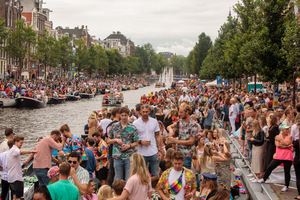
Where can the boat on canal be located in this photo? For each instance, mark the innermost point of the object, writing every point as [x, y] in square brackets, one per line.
[7, 102]
[73, 97]
[86, 95]
[57, 100]
[27, 102]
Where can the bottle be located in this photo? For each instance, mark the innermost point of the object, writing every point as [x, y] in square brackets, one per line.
[186, 189]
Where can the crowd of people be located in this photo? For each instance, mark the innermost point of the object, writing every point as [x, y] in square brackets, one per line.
[172, 145]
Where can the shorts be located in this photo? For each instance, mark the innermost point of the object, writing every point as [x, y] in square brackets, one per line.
[226, 118]
[17, 188]
[102, 173]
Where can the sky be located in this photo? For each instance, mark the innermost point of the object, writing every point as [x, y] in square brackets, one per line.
[168, 25]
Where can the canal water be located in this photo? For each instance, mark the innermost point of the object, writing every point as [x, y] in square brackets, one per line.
[34, 123]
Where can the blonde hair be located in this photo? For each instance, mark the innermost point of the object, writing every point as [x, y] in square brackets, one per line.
[256, 127]
[207, 154]
[138, 167]
[104, 192]
[222, 133]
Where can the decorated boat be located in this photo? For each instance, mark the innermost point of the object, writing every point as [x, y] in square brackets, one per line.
[57, 100]
[157, 85]
[27, 102]
[73, 98]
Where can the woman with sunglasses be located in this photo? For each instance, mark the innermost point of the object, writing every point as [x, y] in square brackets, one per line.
[223, 168]
[284, 155]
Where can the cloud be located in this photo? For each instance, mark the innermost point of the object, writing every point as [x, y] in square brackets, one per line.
[166, 24]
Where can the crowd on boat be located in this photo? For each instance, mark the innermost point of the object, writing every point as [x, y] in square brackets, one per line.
[173, 145]
[57, 91]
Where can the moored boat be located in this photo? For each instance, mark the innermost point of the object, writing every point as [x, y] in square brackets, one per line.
[73, 98]
[7, 102]
[26, 102]
[86, 95]
[58, 100]
[111, 103]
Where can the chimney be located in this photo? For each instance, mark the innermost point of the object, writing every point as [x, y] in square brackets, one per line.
[114, 32]
[118, 32]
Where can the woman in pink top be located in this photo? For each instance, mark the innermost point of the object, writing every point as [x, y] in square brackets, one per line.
[284, 154]
[138, 186]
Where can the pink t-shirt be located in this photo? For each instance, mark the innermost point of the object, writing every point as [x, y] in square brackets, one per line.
[42, 159]
[284, 154]
[136, 190]
[94, 197]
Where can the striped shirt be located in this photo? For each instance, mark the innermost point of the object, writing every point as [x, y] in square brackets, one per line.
[82, 176]
[3, 165]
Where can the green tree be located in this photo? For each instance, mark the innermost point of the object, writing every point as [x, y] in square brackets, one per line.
[45, 50]
[3, 31]
[200, 52]
[65, 53]
[115, 61]
[82, 55]
[177, 62]
[19, 43]
[101, 60]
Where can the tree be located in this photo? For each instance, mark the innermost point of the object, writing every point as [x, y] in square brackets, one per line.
[273, 63]
[3, 31]
[200, 52]
[45, 50]
[177, 62]
[65, 53]
[82, 55]
[101, 60]
[19, 43]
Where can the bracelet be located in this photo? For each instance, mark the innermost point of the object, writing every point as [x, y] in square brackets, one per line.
[115, 140]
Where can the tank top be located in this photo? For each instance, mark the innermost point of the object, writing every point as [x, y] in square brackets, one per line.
[284, 154]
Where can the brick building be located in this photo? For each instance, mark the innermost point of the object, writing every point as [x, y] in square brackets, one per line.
[10, 11]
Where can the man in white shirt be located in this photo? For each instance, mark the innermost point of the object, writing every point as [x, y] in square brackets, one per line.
[104, 122]
[14, 168]
[4, 183]
[9, 135]
[184, 98]
[148, 131]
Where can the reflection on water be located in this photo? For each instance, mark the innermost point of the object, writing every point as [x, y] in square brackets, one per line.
[34, 123]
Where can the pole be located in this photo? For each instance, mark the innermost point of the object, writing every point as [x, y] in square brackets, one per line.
[294, 86]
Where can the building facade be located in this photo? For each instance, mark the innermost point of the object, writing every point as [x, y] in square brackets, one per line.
[10, 11]
[118, 41]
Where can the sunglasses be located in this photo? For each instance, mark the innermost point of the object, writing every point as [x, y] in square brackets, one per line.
[221, 145]
[70, 161]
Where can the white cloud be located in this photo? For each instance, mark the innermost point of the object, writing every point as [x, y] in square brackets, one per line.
[166, 24]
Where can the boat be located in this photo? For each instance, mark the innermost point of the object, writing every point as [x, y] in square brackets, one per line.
[27, 102]
[58, 100]
[112, 102]
[73, 98]
[86, 95]
[157, 85]
[7, 102]
[163, 85]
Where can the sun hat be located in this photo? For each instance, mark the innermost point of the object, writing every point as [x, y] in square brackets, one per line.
[53, 171]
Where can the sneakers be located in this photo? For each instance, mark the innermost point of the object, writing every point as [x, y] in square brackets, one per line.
[261, 180]
[284, 189]
[255, 181]
[250, 175]
[252, 179]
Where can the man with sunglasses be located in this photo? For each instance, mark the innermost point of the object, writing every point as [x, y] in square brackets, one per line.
[148, 131]
[78, 175]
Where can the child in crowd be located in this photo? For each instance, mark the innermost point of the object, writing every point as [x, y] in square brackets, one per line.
[118, 186]
[155, 195]
[105, 192]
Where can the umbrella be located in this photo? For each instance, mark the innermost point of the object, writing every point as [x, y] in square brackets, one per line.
[181, 81]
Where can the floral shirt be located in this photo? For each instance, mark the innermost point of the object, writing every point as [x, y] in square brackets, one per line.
[128, 135]
[190, 180]
[186, 131]
[103, 149]
[75, 144]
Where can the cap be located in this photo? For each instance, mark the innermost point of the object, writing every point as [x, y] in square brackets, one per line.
[212, 177]
[284, 126]
[53, 171]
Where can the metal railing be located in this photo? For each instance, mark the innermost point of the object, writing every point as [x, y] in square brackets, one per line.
[244, 159]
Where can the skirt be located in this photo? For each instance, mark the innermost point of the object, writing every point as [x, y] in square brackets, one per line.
[258, 159]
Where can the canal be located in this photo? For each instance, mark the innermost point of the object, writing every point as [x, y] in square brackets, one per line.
[34, 123]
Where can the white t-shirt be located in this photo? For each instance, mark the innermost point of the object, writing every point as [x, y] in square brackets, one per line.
[174, 175]
[14, 165]
[146, 131]
[295, 132]
[104, 123]
[4, 146]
